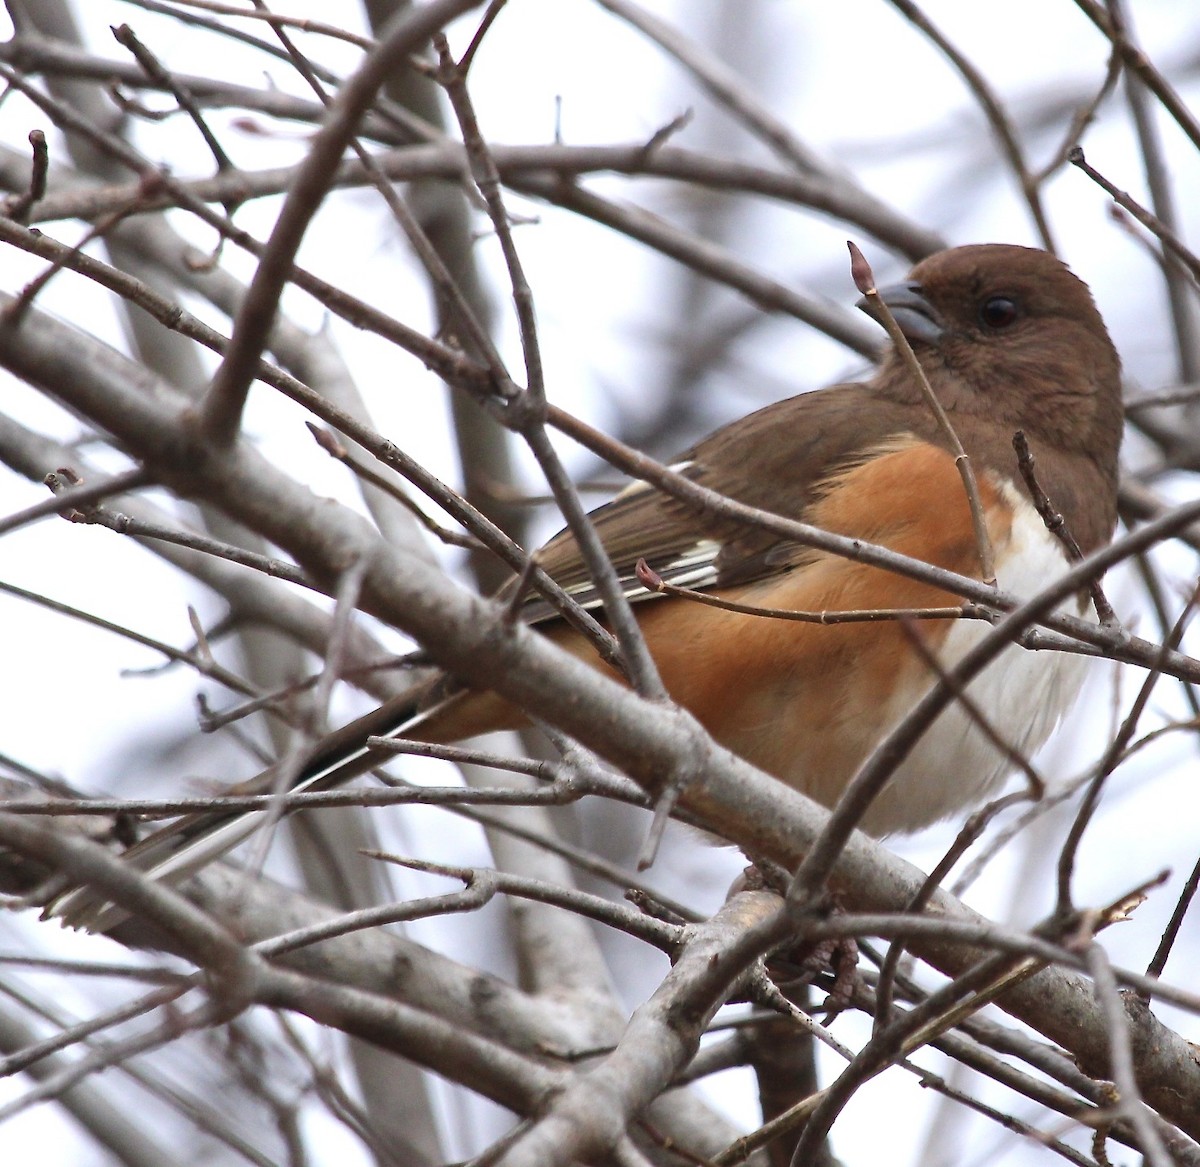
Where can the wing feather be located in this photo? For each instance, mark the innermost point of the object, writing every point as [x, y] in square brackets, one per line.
[775, 459]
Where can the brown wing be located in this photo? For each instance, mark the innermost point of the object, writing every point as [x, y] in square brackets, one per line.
[775, 459]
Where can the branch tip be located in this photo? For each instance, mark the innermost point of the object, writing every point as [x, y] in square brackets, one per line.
[648, 577]
[326, 440]
[860, 270]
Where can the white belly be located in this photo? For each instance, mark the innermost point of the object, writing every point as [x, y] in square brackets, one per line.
[1022, 694]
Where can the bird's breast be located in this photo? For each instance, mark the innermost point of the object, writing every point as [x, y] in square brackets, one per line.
[1021, 696]
[809, 702]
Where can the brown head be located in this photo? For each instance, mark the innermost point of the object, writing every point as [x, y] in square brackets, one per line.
[1010, 333]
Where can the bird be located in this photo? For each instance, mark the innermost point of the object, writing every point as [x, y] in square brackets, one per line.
[1009, 339]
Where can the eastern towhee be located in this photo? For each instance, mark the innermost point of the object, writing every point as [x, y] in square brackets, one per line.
[1009, 339]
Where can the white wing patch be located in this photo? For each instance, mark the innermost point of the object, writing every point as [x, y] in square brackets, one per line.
[696, 569]
[639, 486]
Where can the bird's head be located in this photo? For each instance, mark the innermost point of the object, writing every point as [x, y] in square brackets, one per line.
[1010, 333]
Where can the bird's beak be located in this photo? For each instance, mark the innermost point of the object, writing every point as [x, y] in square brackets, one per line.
[917, 317]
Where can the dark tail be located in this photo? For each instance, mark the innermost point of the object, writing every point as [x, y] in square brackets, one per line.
[177, 850]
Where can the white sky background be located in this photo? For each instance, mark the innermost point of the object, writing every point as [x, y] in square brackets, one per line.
[855, 83]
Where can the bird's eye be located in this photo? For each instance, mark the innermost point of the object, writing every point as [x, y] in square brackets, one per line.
[999, 312]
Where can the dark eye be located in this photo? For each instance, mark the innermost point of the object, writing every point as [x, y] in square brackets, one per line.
[999, 312]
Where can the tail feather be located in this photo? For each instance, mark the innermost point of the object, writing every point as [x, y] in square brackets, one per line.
[183, 847]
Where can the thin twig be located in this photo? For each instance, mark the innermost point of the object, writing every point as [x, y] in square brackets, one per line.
[1151, 222]
[1141, 65]
[1110, 760]
[335, 449]
[205, 667]
[864, 280]
[161, 76]
[172, 316]
[276, 19]
[72, 497]
[993, 110]
[224, 401]
[124, 524]
[1180, 297]
[1171, 932]
[1056, 523]
[655, 582]
[1128, 1103]
[20, 207]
